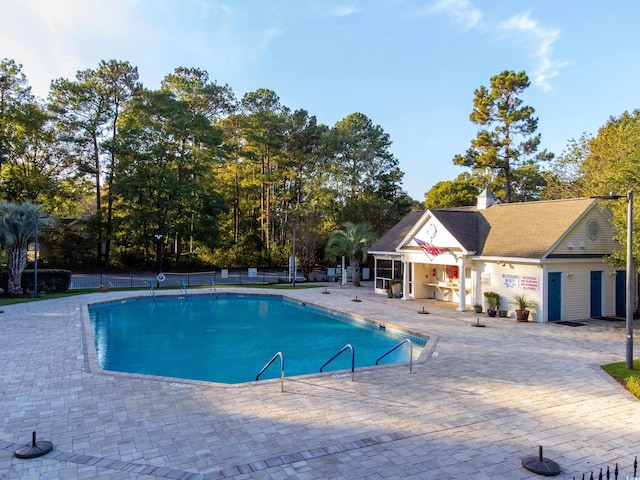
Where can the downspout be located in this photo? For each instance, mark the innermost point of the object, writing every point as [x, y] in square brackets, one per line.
[544, 295]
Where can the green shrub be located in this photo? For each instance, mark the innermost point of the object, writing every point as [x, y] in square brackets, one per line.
[49, 280]
[633, 384]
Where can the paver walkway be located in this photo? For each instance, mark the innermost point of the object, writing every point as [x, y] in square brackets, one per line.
[480, 401]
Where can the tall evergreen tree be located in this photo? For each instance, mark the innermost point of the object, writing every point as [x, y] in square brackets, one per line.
[89, 109]
[165, 153]
[507, 138]
[33, 166]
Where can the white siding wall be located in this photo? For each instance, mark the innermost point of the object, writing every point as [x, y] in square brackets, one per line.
[576, 288]
[581, 242]
[508, 281]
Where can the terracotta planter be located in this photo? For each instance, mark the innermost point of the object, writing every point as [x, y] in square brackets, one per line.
[522, 315]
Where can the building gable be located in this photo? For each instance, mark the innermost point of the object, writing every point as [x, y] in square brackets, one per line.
[591, 236]
[530, 229]
[432, 230]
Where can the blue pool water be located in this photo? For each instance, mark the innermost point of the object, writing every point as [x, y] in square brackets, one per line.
[229, 338]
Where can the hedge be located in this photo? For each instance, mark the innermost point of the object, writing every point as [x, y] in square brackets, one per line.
[49, 280]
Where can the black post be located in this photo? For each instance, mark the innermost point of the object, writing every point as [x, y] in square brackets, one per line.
[35, 264]
[158, 238]
[293, 253]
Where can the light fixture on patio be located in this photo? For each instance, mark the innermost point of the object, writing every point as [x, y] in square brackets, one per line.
[35, 256]
[158, 238]
[630, 273]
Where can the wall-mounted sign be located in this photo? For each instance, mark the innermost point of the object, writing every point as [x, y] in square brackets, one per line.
[529, 282]
[452, 271]
[485, 279]
[509, 281]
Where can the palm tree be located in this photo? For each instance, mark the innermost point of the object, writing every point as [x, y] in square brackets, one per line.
[353, 241]
[17, 226]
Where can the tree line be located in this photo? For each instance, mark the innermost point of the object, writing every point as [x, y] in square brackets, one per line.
[191, 175]
[188, 173]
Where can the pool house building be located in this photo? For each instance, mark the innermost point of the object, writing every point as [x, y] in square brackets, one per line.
[553, 252]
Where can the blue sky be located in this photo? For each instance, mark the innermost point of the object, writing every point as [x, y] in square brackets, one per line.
[410, 65]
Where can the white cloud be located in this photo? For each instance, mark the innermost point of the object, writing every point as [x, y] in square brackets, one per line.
[54, 39]
[542, 40]
[48, 37]
[462, 12]
[343, 11]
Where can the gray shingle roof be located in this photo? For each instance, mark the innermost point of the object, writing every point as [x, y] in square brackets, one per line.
[390, 240]
[466, 225]
[530, 229]
[524, 230]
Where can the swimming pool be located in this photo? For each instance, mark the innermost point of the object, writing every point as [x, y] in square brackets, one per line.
[228, 338]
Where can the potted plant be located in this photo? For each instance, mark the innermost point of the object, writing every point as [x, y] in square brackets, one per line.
[477, 308]
[524, 304]
[389, 291]
[396, 287]
[493, 303]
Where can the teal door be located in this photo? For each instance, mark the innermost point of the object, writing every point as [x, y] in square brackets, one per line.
[554, 296]
[621, 293]
[596, 294]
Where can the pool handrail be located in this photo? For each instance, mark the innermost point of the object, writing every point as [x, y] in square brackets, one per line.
[183, 287]
[212, 286]
[353, 358]
[279, 354]
[397, 346]
[153, 292]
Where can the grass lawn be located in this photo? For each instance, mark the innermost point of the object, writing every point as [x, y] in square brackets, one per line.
[629, 378]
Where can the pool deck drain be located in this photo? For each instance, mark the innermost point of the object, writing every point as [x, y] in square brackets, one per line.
[473, 409]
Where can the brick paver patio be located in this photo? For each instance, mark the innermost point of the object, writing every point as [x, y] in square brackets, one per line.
[479, 401]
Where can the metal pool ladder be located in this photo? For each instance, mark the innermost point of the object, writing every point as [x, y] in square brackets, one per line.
[353, 358]
[397, 346]
[279, 354]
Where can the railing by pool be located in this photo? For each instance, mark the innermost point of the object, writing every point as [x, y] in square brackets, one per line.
[353, 359]
[406, 340]
[279, 354]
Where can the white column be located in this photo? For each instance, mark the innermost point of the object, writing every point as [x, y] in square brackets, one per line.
[405, 279]
[462, 304]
